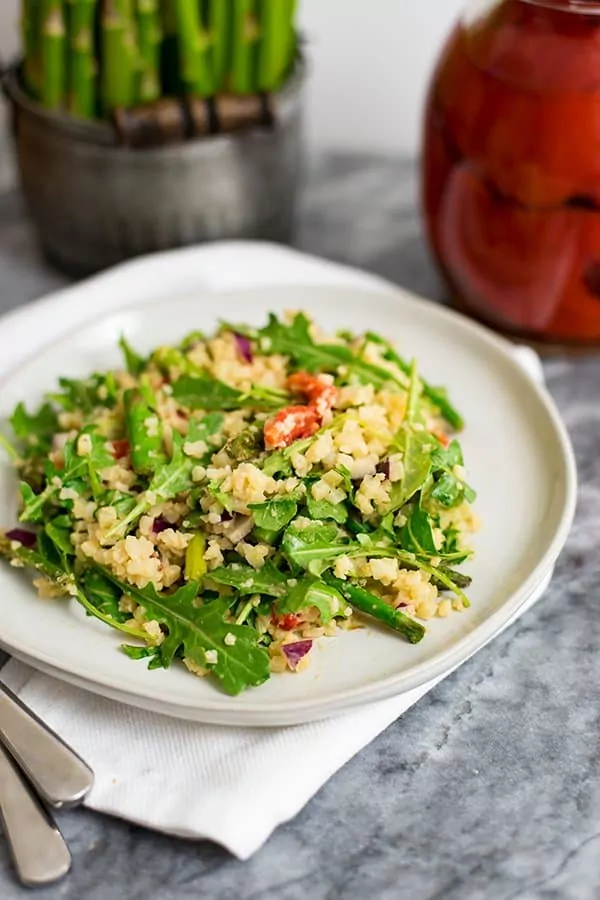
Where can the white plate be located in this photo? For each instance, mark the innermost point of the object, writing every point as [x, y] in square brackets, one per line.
[518, 457]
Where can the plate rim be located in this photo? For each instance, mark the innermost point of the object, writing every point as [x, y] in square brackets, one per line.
[299, 710]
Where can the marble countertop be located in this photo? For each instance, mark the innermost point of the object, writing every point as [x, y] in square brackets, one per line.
[488, 789]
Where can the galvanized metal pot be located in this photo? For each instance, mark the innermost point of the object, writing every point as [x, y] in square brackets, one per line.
[95, 203]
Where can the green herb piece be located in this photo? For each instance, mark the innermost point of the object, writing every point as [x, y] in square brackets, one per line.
[311, 591]
[247, 580]
[374, 606]
[199, 632]
[273, 515]
[195, 564]
[134, 363]
[135, 652]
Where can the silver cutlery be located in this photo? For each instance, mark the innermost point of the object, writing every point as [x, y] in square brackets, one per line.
[37, 769]
[38, 849]
[60, 777]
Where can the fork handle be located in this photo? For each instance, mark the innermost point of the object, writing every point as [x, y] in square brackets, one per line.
[56, 772]
[37, 847]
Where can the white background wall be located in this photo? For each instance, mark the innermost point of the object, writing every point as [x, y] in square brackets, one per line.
[370, 60]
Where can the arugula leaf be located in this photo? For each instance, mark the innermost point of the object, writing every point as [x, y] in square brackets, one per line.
[313, 546]
[246, 580]
[77, 394]
[205, 428]
[36, 430]
[416, 458]
[46, 559]
[104, 595]
[311, 591]
[417, 534]
[323, 509]
[205, 392]
[273, 515]
[33, 504]
[197, 632]
[294, 340]
[277, 463]
[447, 489]
[436, 395]
[59, 532]
[134, 363]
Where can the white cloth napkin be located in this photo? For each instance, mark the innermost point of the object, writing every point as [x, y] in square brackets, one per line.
[231, 785]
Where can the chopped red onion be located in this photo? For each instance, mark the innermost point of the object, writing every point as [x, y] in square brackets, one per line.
[244, 347]
[160, 524]
[27, 538]
[296, 651]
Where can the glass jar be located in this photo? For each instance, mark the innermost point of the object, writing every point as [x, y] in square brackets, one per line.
[511, 167]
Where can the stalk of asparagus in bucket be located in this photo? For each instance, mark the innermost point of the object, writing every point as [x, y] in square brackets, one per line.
[277, 42]
[53, 54]
[81, 100]
[193, 48]
[119, 54]
[219, 28]
[246, 33]
[31, 32]
[149, 40]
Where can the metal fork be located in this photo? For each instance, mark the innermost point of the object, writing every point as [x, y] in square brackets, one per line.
[55, 776]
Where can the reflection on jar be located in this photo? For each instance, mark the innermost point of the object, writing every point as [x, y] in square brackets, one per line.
[511, 166]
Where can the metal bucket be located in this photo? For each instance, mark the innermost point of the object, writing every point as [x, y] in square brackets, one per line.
[95, 204]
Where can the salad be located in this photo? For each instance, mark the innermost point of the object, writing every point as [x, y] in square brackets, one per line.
[228, 501]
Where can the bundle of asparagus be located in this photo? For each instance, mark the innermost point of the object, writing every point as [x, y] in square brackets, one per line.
[92, 57]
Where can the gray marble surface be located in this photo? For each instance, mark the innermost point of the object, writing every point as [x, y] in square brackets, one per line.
[489, 788]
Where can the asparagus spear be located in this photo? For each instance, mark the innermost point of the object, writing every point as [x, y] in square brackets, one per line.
[374, 606]
[276, 42]
[118, 55]
[193, 49]
[144, 433]
[219, 26]
[82, 69]
[246, 33]
[53, 54]
[195, 564]
[149, 46]
[31, 31]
